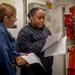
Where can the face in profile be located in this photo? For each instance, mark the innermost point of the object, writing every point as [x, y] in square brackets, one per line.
[7, 15]
[10, 21]
[38, 18]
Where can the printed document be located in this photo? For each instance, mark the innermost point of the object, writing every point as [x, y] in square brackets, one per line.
[32, 58]
[57, 48]
[51, 40]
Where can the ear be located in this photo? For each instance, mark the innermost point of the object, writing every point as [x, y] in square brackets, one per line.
[31, 18]
[5, 18]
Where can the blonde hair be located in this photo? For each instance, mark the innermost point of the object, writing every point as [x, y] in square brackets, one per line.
[6, 10]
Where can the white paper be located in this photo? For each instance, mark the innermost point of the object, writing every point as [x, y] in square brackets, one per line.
[32, 58]
[51, 40]
[57, 49]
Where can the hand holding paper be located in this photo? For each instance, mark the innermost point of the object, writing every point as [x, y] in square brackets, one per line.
[32, 58]
[51, 40]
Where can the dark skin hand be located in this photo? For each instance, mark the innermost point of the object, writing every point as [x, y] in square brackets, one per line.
[27, 65]
[23, 54]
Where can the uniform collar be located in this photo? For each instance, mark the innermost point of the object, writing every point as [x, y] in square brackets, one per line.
[33, 26]
[2, 25]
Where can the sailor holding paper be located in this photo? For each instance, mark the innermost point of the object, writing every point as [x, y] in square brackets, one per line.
[32, 38]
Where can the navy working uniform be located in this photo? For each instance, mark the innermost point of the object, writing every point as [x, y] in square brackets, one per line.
[32, 39]
[7, 51]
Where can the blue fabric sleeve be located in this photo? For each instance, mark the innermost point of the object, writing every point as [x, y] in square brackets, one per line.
[4, 57]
